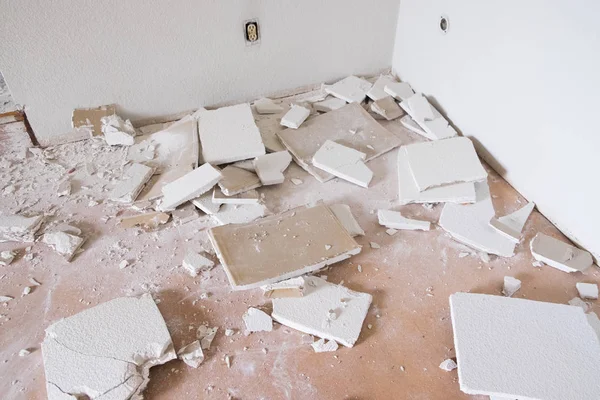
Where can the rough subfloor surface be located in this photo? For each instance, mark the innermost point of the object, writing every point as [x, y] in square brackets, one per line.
[410, 278]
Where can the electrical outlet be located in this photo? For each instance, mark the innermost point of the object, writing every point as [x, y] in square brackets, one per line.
[251, 32]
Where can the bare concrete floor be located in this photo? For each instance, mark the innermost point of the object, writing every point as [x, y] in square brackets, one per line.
[410, 278]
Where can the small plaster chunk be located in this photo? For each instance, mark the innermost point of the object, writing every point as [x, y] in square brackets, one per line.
[206, 335]
[194, 263]
[329, 104]
[229, 134]
[344, 214]
[24, 352]
[587, 290]
[117, 132]
[448, 365]
[123, 264]
[106, 351]
[511, 286]
[395, 220]
[191, 354]
[343, 162]
[205, 203]
[322, 346]
[7, 257]
[270, 167]
[267, 106]
[310, 313]
[249, 197]
[493, 333]
[65, 244]
[26, 290]
[377, 91]
[133, 182]
[16, 228]
[374, 245]
[399, 90]
[351, 89]
[511, 225]
[297, 181]
[64, 188]
[387, 108]
[289, 288]
[189, 186]
[257, 320]
[295, 116]
[237, 180]
[420, 107]
[559, 254]
[6, 299]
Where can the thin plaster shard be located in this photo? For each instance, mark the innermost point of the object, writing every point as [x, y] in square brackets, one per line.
[129, 188]
[448, 365]
[7, 257]
[295, 116]
[106, 351]
[257, 321]
[205, 203]
[412, 126]
[387, 108]
[206, 335]
[511, 286]
[399, 90]
[343, 162]
[511, 225]
[117, 132]
[344, 214]
[191, 354]
[436, 128]
[189, 186]
[351, 89]
[17, 228]
[195, 263]
[559, 254]
[395, 220]
[249, 197]
[270, 167]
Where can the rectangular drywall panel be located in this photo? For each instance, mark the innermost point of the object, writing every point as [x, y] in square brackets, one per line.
[542, 147]
[177, 58]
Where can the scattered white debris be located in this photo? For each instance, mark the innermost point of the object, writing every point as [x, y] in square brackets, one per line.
[399, 90]
[227, 360]
[448, 365]
[329, 104]
[24, 352]
[63, 243]
[344, 214]
[257, 320]
[123, 264]
[297, 181]
[395, 220]
[387, 108]
[267, 106]
[6, 257]
[34, 282]
[512, 224]
[191, 354]
[560, 255]
[343, 162]
[374, 245]
[351, 89]
[129, 188]
[16, 228]
[295, 116]
[511, 286]
[322, 346]
[194, 263]
[64, 188]
[117, 132]
[26, 290]
[587, 290]
[270, 167]
[5, 299]
[206, 336]
[189, 186]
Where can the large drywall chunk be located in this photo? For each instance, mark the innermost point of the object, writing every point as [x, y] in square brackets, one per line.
[63, 243]
[229, 134]
[399, 90]
[328, 311]
[387, 108]
[237, 180]
[512, 224]
[240, 213]
[329, 104]
[377, 91]
[409, 193]
[205, 203]
[343, 162]
[395, 220]
[587, 290]
[194, 263]
[106, 351]
[284, 246]
[189, 186]
[91, 118]
[344, 214]
[117, 132]
[469, 224]
[132, 184]
[516, 348]
[267, 106]
[444, 162]
[257, 320]
[351, 89]
[16, 228]
[270, 167]
[295, 117]
[559, 254]
[349, 126]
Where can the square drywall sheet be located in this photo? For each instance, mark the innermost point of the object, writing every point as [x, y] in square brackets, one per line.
[517, 348]
[281, 246]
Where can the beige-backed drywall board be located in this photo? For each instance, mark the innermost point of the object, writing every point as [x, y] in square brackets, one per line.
[154, 59]
[526, 54]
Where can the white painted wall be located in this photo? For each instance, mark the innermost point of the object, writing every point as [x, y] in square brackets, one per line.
[157, 58]
[523, 79]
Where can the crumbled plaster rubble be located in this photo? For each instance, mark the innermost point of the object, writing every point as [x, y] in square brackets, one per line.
[151, 181]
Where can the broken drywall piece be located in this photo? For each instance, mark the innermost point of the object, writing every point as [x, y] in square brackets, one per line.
[205, 203]
[64, 188]
[492, 333]
[237, 180]
[420, 107]
[511, 286]
[350, 126]
[328, 311]
[351, 89]
[149, 220]
[412, 126]
[286, 245]
[106, 350]
[91, 118]
[587, 290]
[206, 335]
[117, 132]
[469, 224]
[329, 104]
[321, 346]
[297, 181]
[63, 243]
[511, 225]
[295, 116]
[189, 186]
[7, 257]
[377, 91]
[16, 228]
[559, 254]
[240, 213]
[343, 162]
[387, 108]
[290, 288]
[344, 214]
[257, 321]
[248, 165]
[439, 128]
[249, 197]
[395, 220]
[399, 90]
[154, 187]
[409, 193]
[448, 365]
[444, 162]
[194, 263]
[270, 167]
[267, 106]
[229, 134]
[191, 354]
[132, 184]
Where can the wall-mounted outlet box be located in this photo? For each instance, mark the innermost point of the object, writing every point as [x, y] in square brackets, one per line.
[251, 32]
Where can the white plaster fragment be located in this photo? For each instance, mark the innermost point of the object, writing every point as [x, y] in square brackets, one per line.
[393, 219]
[322, 346]
[289, 288]
[16, 228]
[511, 286]
[267, 106]
[270, 167]
[128, 189]
[257, 320]
[559, 254]
[6, 299]
[63, 243]
[191, 354]
[26, 290]
[351, 89]
[189, 186]
[194, 263]
[24, 352]
[205, 203]
[344, 214]
[587, 290]
[343, 162]
[399, 90]
[329, 104]
[64, 188]
[249, 197]
[239, 213]
[7, 257]
[206, 335]
[420, 107]
[448, 365]
[391, 231]
[511, 225]
[117, 132]
[295, 116]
